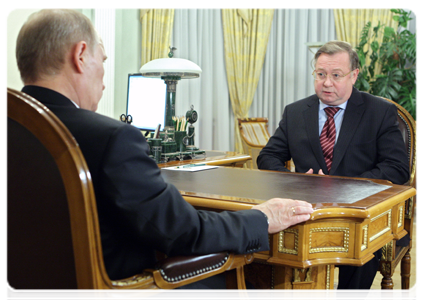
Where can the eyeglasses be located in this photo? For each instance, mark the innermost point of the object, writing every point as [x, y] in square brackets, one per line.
[335, 77]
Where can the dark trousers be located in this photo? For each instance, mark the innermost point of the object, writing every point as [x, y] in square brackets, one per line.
[355, 282]
[213, 288]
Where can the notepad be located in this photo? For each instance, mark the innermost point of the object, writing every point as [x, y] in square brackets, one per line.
[191, 168]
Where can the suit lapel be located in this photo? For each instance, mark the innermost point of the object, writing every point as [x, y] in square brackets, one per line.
[352, 117]
[311, 120]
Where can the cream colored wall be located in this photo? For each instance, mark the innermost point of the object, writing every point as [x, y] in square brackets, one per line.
[127, 51]
[15, 20]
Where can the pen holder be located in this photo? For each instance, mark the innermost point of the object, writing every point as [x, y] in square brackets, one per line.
[179, 136]
[156, 149]
[169, 147]
[168, 135]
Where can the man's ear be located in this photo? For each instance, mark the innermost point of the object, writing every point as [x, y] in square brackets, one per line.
[355, 75]
[79, 54]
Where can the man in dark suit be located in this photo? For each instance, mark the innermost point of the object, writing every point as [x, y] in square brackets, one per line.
[368, 142]
[60, 58]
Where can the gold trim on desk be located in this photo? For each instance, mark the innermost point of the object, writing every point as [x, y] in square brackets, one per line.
[213, 158]
[339, 232]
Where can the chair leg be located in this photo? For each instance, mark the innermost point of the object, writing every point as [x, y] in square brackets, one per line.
[387, 282]
[406, 271]
[235, 284]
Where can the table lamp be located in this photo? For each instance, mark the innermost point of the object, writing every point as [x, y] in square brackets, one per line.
[170, 70]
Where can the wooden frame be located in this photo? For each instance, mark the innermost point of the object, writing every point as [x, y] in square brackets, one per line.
[393, 254]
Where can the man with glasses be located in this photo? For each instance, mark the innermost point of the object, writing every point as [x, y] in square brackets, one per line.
[361, 139]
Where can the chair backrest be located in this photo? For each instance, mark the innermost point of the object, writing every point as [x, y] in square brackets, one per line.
[254, 136]
[407, 126]
[52, 225]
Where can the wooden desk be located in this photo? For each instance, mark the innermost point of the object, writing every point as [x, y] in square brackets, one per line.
[214, 158]
[353, 218]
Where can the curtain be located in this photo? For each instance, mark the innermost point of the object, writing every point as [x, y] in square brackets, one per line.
[350, 22]
[246, 33]
[286, 75]
[157, 26]
[198, 36]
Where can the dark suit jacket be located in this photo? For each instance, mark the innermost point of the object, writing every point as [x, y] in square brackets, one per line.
[369, 144]
[138, 211]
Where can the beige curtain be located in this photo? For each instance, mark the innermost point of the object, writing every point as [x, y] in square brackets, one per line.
[245, 34]
[157, 27]
[350, 22]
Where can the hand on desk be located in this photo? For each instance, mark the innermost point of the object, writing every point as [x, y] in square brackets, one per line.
[283, 213]
[311, 172]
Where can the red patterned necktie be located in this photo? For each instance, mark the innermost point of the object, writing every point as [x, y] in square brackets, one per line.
[328, 136]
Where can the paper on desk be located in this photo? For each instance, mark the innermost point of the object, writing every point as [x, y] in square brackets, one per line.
[190, 168]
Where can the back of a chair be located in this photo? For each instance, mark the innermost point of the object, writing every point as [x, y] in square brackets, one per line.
[407, 126]
[254, 136]
[52, 223]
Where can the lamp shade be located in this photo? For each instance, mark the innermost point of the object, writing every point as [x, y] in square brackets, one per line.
[171, 67]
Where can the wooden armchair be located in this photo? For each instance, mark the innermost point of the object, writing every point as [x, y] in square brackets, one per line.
[53, 232]
[254, 136]
[392, 254]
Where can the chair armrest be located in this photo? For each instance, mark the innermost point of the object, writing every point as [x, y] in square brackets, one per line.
[178, 271]
[174, 269]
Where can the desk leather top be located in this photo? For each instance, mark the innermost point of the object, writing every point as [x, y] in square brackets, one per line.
[255, 186]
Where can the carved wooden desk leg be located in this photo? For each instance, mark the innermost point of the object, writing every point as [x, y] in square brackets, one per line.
[387, 265]
[405, 271]
[387, 282]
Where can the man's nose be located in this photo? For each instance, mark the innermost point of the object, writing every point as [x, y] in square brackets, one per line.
[327, 81]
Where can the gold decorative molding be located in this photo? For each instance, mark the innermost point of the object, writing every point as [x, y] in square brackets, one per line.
[365, 234]
[409, 211]
[132, 280]
[328, 277]
[384, 230]
[302, 275]
[282, 238]
[344, 248]
[387, 257]
[387, 251]
[401, 216]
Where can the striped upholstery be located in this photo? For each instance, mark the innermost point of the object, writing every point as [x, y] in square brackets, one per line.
[254, 136]
[255, 133]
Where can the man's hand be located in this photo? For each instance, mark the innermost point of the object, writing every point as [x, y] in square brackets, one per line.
[311, 172]
[283, 213]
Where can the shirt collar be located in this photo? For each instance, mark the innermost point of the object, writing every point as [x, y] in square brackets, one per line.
[322, 105]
